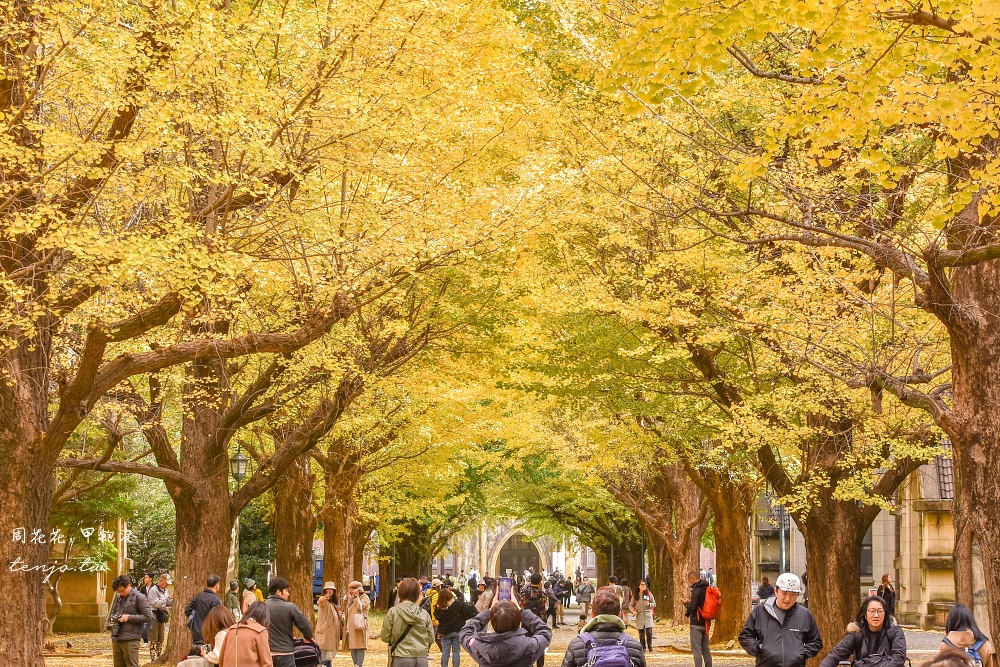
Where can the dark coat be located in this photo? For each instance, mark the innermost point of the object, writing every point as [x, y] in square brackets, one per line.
[697, 602]
[201, 604]
[776, 644]
[139, 613]
[576, 653]
[892, 643]
[453, 617]
[284, 615]
[517, 648]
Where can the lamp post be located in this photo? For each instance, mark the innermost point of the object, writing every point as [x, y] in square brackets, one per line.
[238, 468]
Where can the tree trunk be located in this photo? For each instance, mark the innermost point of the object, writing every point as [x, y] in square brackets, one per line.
[294, 530]
[204, 513]
[732, 508]
[661, 577]
[26, 487]
[975, 430]
[834, 565]
[339, 514]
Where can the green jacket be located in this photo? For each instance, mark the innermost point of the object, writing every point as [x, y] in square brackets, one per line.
[417, 643]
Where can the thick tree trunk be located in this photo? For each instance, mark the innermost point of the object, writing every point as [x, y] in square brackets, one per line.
[339, 514]
[294, 530]
[204, 514]
[26, 487]
[732, 543]
[661, 577]
[834, 565]
[975, 429]
[204, 532]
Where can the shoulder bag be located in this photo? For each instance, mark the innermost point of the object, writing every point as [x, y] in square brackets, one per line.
[392, 648]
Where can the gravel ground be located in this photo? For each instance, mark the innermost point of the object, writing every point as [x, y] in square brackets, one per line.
[671, 648]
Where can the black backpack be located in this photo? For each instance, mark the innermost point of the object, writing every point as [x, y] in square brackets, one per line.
[425, 604]
[534, 600]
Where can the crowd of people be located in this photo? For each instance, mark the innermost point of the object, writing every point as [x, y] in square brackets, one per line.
[504, 623]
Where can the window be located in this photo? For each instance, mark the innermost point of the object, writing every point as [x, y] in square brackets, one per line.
[866, 554]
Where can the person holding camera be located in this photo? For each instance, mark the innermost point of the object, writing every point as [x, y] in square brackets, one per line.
[160, 602]
[129, 612]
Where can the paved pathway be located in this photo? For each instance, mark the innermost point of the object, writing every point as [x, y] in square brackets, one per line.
[671, 649]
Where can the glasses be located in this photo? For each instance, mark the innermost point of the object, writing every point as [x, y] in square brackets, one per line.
[876, 612]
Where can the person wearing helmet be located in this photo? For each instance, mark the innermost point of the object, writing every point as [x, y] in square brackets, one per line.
[780, 632]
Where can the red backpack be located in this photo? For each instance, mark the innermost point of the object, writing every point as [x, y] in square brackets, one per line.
[713, 604]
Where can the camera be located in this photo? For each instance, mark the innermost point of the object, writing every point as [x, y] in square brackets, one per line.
[116, 625]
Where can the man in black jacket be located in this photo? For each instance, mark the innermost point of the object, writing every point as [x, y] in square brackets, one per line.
[129, 612]
[607, 627]
[284, 615]
[200, 605]
[779, 632]
[699, 627]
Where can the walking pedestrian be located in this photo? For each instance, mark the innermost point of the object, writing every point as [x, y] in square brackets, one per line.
[963, 633]
[452, 613]
[887, 592]
[197, 609]
[626, 600]
[604, 629]
[249, 594]
[129, 612]
[779, 632]
[643, 606]
[486, 598]
[217, 623]
[328, 624]
[284, 615]
[551, 605]
[356, 623]
[147, 583]
[698, 626]
[584, 595]
[407, 628]
[519, 638]
[248, 642]
[871, 634]
[160, 603]
[232, 601]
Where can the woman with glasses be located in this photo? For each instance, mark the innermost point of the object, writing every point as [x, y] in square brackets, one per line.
[872, 640]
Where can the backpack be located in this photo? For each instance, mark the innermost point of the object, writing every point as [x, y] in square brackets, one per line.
[608, 655]
[713, 604]
[972, 651]
[425, 604]
[306, 654]
[534, 601]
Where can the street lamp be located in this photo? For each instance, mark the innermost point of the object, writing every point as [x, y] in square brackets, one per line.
[238, 466]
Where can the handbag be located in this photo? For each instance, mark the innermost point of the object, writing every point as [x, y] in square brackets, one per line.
[359, 621]
[194, 662]
[161, 615]
[398, 642]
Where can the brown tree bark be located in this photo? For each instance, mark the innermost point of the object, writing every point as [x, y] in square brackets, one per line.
[294, 529]
[733, 504]
[661, 576]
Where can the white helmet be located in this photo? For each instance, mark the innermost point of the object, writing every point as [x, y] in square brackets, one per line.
[789, 583]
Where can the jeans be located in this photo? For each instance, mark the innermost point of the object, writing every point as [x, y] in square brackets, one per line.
[699, 646]
[357, 656]
[451, 641]
[126, 654]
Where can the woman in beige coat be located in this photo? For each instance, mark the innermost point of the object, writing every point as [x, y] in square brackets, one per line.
[328, 624]
[356, 622]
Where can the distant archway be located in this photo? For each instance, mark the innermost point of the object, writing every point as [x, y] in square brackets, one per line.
[517, 553]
